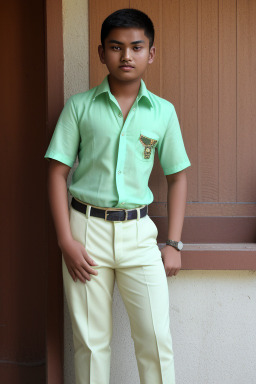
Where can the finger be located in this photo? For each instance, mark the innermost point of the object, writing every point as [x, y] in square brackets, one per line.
[175, 271]
[82, 276]
[92, 271]
[172, 271]
[72, 274]
[89, 259]
[86, 267]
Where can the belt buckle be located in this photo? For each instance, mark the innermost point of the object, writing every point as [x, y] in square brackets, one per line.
[106, 215]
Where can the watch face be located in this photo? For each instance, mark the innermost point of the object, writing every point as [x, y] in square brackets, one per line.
[176, 244]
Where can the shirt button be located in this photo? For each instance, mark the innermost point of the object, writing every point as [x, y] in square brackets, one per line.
[122, 133]
[134, 109]
[120, 114]
[119, 172]
[123, 203]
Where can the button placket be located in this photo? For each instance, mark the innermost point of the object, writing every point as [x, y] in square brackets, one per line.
[122, 155]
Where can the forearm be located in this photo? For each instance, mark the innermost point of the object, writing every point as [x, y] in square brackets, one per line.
[77, 260]
[58, 198]
[176, 205]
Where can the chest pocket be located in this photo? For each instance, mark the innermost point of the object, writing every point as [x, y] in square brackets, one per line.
[145, 146]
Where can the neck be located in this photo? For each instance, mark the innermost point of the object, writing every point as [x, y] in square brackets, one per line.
[123, 88]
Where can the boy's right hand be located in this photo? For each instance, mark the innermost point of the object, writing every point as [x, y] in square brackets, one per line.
[77, 260]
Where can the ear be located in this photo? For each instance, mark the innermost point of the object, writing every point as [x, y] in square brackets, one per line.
[101, 54]
[152, 53]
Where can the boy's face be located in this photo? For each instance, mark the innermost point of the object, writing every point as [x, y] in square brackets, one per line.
[126, 54]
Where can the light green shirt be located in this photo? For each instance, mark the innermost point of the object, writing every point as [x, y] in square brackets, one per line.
[116, 157]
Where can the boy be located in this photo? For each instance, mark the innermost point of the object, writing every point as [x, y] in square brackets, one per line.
[114, 128]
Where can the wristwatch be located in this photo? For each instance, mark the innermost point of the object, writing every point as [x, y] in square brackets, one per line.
[175, 244]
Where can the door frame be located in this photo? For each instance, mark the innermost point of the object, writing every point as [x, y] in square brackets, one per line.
[55, 101]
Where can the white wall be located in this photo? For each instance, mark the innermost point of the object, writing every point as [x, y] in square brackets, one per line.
[213, 313]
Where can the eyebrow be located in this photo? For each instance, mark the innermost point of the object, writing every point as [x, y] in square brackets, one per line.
[133, 42]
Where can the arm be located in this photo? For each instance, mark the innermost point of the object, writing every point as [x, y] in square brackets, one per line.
[176, 203]
[76, 258]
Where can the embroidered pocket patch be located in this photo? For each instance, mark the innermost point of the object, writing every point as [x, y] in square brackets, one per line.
[148, 145]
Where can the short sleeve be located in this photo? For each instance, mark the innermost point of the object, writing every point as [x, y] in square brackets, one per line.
[66, 137]
[171, 149]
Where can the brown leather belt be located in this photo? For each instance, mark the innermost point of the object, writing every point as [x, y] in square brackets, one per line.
[108, 214]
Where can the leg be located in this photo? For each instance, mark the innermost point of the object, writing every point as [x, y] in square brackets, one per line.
[144, 290]
[90, 307]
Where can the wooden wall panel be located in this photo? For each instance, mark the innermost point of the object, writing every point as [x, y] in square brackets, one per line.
[227, 101]
[208, 120]
[171, 53]
[188, 116]
[246, 100]
[171, 71]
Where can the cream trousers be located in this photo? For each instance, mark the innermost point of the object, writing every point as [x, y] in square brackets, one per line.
[126, 251]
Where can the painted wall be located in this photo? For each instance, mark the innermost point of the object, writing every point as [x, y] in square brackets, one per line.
[213, 313]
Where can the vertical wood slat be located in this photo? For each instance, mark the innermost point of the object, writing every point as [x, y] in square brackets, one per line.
[227, 100]
[199, 87]
[246, 100]
[170, 58]
[189, 90]
[171, 54]
[208, 130]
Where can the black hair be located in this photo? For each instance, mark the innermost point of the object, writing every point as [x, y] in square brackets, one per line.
[128, 18]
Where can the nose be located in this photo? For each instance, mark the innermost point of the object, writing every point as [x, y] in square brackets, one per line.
[126, 54]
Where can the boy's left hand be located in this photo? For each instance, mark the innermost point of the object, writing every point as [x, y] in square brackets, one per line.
[171, 259]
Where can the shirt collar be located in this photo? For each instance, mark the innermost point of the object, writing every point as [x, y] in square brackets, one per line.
[142, 95]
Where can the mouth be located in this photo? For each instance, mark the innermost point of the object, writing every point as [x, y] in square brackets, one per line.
[126, 67]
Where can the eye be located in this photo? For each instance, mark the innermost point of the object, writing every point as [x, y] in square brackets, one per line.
[137, 48]
[115, 48]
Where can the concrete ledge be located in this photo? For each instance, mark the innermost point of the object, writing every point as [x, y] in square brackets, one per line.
[239, 256]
